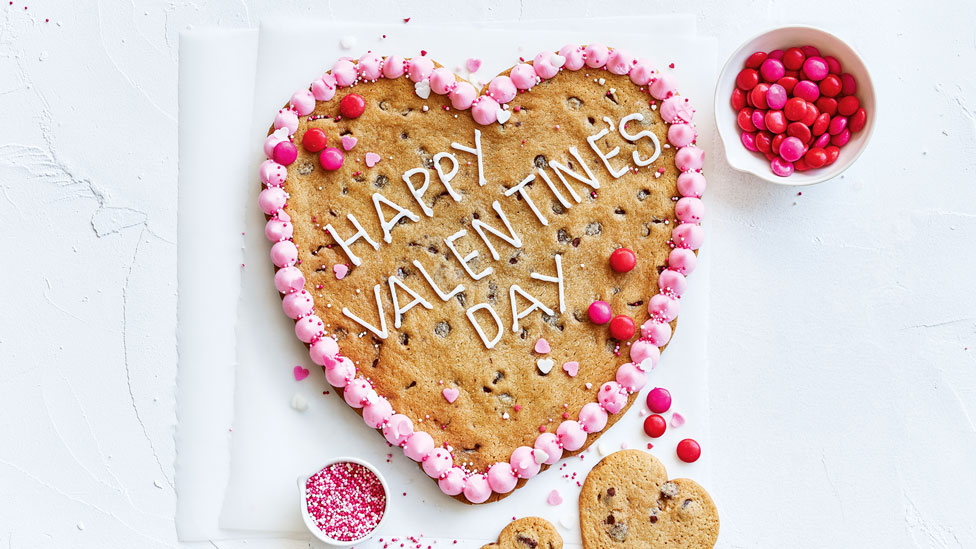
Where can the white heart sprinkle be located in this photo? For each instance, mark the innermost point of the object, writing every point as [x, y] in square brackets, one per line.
[505, 415]
[545, 365]
[503, 116]
[602, 448]
[348, 42]
[422, 88]
[540, 456]
[602, 81]
[557, 60]
[299, 403]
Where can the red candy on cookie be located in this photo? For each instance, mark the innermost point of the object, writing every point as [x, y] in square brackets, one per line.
[622, 260]
[797, 97]
[314, 140]
[352, 106]
[622, 328]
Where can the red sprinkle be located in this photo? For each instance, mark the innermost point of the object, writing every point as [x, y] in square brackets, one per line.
[345, 500]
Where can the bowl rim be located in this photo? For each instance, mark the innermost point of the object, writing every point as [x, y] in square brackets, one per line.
[721, 101]
[310, 524]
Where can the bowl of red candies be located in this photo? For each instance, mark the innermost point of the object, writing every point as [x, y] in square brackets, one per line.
[794, 106]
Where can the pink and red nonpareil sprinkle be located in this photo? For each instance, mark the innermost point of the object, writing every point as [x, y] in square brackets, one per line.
[796, 108]
[345, 500]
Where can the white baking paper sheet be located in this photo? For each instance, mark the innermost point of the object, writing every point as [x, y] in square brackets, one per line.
[271, 442]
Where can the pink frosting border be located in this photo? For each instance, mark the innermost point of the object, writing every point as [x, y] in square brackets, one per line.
[686, 236]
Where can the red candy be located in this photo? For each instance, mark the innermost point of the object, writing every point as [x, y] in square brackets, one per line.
[352, 106]
[796, 108]
[689, 450]
[747, 79]
[622, 328]
[314, 140]
[655, 426]
[622, 260]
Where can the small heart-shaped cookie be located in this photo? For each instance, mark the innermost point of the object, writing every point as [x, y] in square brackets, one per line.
[528, 533]
[628, 501]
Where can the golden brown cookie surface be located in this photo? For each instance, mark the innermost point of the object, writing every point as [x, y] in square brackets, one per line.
[627, 501]
[434, 367]
[528, 533]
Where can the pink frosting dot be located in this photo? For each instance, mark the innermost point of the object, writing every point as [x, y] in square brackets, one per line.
[324, 89]
[418, 445]
[501, 478]
[323, 352]
[277, 230]
[620, 62]
[523, 76]
[284, 254]
[272, 141]
[657, 333]
[596, 55]
[369, 66]
[344, 72]
[689, 210]
[341, 373]
[642, 72]
[308, 328]
[664, 306]
[357, 392]
[286, 118]
[689, 159]
[502, 89]
[548, 443]
[571, 435]
[631, 377]
[476, 488]
[612, 397]
[680, 135]
[377, 412]
[485, 110]
[523, 462]
[393, 67]
[398, 429]
[442, 81]
[452, 482]
[691, 184]
[297, 304]
[303, 102]
[272, 199]
[542, 64]
[419, 68]
[289, 279]
[574, 57]
[437, 462]
[593, 417]
[645, 353]
[272, 173]
[682, 260]
[676, 109]
[688, 235]
[663, 86]
[672, 282]
[463, 95]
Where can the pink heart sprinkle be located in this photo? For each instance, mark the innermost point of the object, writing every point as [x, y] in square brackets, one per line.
[542, 346]
[450, 395]
[554, 498]
[372, 159]
[677, 420]
[571, 368]
[340, 271]
[348, 142]
[473, 64]
[300, 373]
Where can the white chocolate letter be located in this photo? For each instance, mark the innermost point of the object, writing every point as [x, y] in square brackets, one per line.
[605, 157]
[475, 151]
[481, 227]
[437, 290]
[520, 188]
[558, 280]
[447, 177]
[387, 225]
[477, 327]
[562, 171]
[633, 138]
[536, 304]
[381, 332]
[344, 244]
[397, 311]
[466, 259]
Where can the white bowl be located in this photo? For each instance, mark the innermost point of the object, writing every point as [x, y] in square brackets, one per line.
[755, 163]
[310, 523]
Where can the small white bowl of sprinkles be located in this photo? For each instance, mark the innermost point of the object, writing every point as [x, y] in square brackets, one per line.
[345, 502]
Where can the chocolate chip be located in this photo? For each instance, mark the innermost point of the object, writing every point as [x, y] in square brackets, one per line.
[442, 328]
[574, 102]
[404, 339]
[527, 541]
[618, 532]
[593, 228]
[461, 298]
[540, 161]
[499, 375]
[384, 106]
[611, 491]
[620, 211]
[642, 194]
[381, 181]
[305, 168]
[669, 489]
[562, 235]
[653, 519]
[557, 208]
[576, 242]
[610, 519]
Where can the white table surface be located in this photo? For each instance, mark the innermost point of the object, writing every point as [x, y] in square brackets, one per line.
[843, 369]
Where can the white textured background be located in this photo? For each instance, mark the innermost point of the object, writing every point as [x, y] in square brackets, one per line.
[843, 376]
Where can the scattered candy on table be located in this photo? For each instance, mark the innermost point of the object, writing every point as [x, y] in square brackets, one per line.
[688, 450]
[345, 500]
[796, 107]
[659, 400]
[655, 425]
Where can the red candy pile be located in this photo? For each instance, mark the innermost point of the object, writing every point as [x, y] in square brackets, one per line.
[797, 108]
[346, 500]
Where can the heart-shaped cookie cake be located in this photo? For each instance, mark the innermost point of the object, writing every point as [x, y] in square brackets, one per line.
[627, 501]
[446, 253]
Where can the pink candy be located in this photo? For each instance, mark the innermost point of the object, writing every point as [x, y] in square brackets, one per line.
[791, 149]
[600, 312]
[816, 68]
[659, 400]
[772, 69]
[331, 158]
